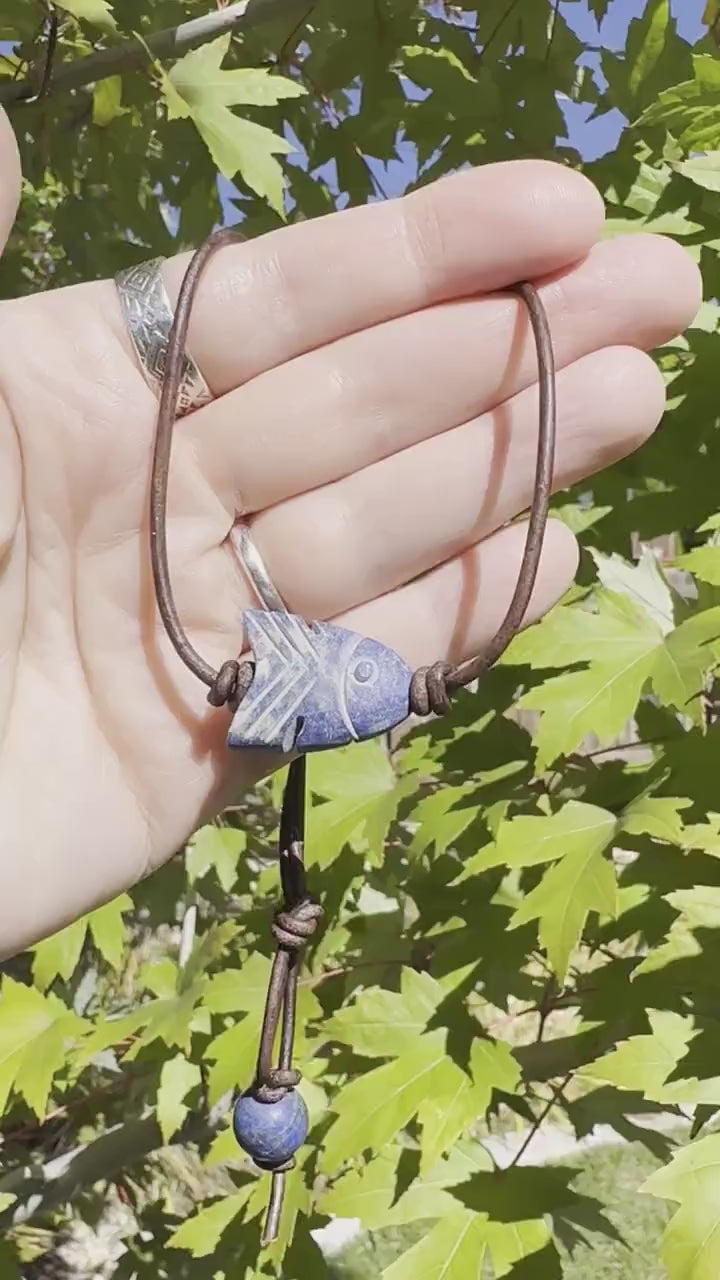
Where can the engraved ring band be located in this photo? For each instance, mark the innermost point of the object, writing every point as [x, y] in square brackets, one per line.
[149, 318]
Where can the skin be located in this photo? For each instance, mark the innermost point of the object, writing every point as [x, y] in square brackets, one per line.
[376, 418]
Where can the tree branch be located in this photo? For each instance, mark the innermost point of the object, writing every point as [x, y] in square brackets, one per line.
[171, 43]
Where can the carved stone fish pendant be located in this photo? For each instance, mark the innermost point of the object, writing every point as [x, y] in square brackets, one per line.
[316, 686]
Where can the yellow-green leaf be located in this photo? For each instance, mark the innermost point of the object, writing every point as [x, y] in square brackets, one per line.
[455, 1249]
[97, 12]
[218, 848]
[372, 1108]
[177, 1078]
[57, 956]
[201, 1234]
[691, 1245]
[583, 881]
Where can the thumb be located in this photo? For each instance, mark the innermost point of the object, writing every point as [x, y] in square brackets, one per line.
[9, 178]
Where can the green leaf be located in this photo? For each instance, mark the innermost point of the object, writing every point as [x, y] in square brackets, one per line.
[360, 771]
[57, 956]
[643, 582]
[645, 1064]
[620, 644]
[657, 816]
[704, 171]
[383, 1024]
[440, 818]
[703, 562]
[646, 43]
[107, 101]
[370, 1192]
[699, 908]
[358, 813]
[35, 1032]
[108, 929]
[218, 848]
[97, 12]
[373, 1108]
[444, 1118]
[177, 1078]
[201, 1234]
[691, 1244]
[525, 841]
[691, 110]
[455, 1249]
[198, 87]
[200, 79]
[583, 881]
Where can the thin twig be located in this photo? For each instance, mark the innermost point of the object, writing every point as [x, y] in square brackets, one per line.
[315, 980]
[626, 746]
[546, 1006]
[555, 1097]
[498, 28]
[291, 39]
[170, 43]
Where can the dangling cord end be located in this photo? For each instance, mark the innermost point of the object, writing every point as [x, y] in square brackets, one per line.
[293, 926]
[274, 1211]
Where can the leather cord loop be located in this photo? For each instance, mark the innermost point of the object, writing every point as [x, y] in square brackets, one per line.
[432, 686]
[430, 692]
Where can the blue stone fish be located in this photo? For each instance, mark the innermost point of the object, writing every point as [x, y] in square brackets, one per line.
[316, 686]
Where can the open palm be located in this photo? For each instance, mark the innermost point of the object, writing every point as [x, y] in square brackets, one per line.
[375, 416]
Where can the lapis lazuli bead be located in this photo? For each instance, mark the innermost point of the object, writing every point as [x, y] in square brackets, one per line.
[317, 686]
[271, 1132]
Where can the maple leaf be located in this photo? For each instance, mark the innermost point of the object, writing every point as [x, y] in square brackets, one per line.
[200, 89]
[690, 1246]
[581, 882]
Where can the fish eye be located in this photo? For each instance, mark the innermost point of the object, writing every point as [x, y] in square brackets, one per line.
[365, 671]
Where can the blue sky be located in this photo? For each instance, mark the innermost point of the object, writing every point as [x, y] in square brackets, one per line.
[594, 138]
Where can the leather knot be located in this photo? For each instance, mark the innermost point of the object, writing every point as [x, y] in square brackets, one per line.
[279, 1082]
[429, 691]
[231, 684]
[293, 926]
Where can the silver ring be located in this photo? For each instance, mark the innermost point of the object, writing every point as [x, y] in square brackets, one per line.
[255, 570]
[149, 316]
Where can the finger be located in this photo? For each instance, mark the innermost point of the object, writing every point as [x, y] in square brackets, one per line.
[271, 299]
[454, 610]
[9, 178]
[10, 468]
[373, 393]
[349, 542]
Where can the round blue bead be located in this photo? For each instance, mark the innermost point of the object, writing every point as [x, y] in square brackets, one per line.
[271, 1132]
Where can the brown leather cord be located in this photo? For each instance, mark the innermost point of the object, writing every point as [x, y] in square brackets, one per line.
[296, 921]
[431, 686]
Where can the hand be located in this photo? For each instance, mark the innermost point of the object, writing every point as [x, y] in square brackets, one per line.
[375, 414]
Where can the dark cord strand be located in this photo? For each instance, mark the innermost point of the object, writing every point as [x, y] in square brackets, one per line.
[161, 462]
